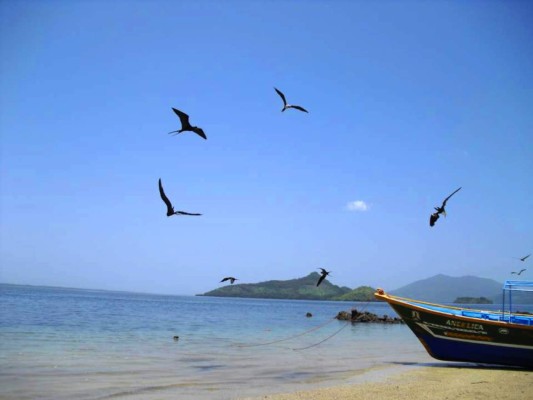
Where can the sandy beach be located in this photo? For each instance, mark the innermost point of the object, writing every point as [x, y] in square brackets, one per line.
[446, 381]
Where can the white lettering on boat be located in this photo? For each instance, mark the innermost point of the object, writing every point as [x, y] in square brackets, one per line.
[436, 328]
[464, 325]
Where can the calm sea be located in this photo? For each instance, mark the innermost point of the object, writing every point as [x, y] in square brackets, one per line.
[60, 343]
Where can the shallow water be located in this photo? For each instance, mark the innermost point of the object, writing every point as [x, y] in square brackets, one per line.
[68, 343]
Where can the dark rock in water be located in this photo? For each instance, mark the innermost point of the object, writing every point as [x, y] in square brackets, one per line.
[308, 315]
[356, 316]
[176, 338]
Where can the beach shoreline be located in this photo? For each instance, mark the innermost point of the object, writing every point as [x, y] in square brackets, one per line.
[429, 381]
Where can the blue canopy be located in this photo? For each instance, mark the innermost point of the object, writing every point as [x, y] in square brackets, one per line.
[512, 286]
[524, 286]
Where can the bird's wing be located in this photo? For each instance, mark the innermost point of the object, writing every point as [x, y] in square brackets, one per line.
[165, 198]
[282, 96]
[522, 271]
[321, 279]
[225, 279]
[447, 198]
[514, 272]
[186, 213]
[524, 258]
[433, 218]
[199, 132]
[300, 108]
[184, 118]
[322, 269]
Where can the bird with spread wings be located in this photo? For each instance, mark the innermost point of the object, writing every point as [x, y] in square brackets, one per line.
[170, 208]
[229, 278]
[518, 273]
[287, 106]
[323, 275]
[440, 210]
[186, 126]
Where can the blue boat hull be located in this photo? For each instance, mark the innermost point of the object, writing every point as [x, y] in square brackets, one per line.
[452, 335]
[448, 350]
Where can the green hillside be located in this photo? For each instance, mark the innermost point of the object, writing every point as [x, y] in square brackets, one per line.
[437, 289]
[301, 288]
[362, 293]
[472, 300]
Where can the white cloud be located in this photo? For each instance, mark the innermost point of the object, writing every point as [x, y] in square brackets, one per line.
[357, 205]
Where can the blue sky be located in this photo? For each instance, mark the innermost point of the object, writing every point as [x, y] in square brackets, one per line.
[407, 102]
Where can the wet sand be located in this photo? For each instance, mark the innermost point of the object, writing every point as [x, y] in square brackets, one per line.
[441, 381]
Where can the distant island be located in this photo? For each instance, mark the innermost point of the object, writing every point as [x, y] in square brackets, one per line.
[473, 300]
[438, 289]
[295, 289]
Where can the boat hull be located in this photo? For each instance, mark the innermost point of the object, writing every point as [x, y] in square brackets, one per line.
[451, 337]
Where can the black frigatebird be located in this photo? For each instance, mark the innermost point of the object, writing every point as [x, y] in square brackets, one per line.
[323, 275]
[170, 208]
[518, 273]
[523, 258]
[440, 210]
[229, 278]
[286, 106]
[186, 126]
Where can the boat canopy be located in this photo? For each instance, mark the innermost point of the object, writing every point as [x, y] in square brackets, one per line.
[523, 286]
[510, 287]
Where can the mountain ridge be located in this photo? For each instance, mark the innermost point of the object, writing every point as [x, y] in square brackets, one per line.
[439, 288]
[442, 288]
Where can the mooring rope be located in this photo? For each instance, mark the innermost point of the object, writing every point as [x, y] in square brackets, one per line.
[323, 340]
[363, 308]
[290, 337]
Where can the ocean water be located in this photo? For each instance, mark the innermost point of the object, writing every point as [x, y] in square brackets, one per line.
[60, 343]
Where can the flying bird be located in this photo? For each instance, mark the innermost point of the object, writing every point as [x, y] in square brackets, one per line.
[523, 258]
[323, 276]
[518, 273]
[170, 208]
[440, 210]
[286, 106]
[186, 126]
[229, 278]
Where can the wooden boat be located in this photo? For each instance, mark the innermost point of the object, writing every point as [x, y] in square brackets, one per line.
[462, 334]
